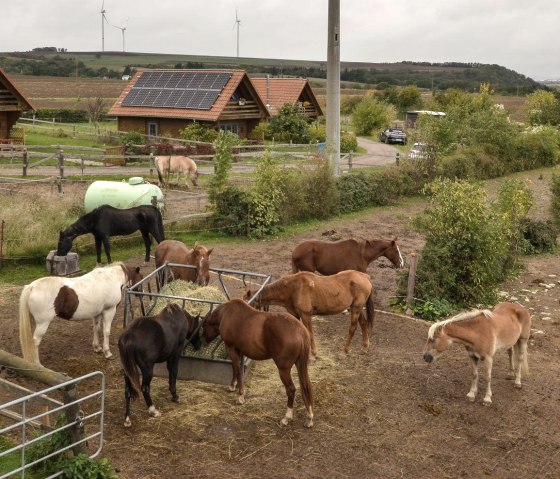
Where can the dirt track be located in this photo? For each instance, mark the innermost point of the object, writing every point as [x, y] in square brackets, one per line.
[384, 414]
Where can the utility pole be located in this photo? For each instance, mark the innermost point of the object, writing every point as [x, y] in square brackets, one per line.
[333, 86]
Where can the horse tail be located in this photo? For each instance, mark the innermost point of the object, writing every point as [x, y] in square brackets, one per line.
[159, 172]
[370, 310]
[28, 349]
[303, 373]
[129, 365]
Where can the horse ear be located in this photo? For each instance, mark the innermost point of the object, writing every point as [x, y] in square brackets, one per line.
[195, 244]
[210, 251]
[247, 296]
[394, 240]
[137, 269]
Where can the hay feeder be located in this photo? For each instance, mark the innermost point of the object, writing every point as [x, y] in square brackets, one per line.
[211, 363]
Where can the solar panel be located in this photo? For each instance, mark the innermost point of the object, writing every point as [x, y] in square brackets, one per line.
[196, 90]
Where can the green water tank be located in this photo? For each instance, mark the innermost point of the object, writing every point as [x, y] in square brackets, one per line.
[122, 194]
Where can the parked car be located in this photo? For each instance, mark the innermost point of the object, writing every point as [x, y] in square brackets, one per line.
[418, 151]
[393, 135]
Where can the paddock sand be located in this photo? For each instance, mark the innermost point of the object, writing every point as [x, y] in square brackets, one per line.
[383, 414]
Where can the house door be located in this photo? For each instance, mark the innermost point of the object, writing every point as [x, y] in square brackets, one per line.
[152, 129]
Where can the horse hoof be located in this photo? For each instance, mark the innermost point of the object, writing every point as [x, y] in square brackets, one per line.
[487, 402]
[470, 398]
[175, 398]
[517, 385]
[127, 422]
[109, 356]
[231, 389]
[309, 423]
[152, 411]
[241, 399]
[343, 355]
[284, 421]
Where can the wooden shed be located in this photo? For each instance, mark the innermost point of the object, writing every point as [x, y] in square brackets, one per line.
[276, 92]
[12, 104]
[163, 102]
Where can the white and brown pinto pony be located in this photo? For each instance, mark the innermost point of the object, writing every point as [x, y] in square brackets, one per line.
[94, 295]
[176, 164]
[507, 326]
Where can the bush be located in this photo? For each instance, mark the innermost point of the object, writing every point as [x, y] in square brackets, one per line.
[535, 149]
[289, 125]
[198, 132]
[370, 115]
[348, 142]
[539, 236]
[317, 133]
[133, 138]
[224, 159]
[555, 200]
[61, 115]
[471, 163]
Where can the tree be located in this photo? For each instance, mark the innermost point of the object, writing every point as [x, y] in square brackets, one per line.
[370, 115]
[95, 109]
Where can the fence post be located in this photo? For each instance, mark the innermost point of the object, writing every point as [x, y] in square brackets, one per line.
[151, 163]
[350, 160]
[25, 162]
[60, 164]
[411, 282]
[1, 243]
[398, 158]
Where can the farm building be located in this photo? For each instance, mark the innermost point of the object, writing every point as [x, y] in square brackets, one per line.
[12, 104]
[163, 102]
[276, 92]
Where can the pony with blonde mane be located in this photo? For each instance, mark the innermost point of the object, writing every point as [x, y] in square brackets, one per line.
[176, 164]
[483, 332]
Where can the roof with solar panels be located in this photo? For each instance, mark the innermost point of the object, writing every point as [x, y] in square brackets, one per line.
[184, 94]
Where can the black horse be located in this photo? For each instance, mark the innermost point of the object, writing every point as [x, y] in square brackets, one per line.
[106, 221]
[150, 340]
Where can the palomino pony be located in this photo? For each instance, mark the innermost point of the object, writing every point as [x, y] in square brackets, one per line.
[305, 294]
[176, 164]
[172, 251]
[94, 295]
[106, 221]
[260, 335]
[507, 326]
[150, 340]
[328, 257]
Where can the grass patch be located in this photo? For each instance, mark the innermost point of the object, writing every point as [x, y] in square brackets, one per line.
[12, 461]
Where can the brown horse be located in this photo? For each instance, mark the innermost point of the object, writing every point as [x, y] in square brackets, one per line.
[507, 326]
[304, 294]
[259, 335]
[176, 164]
[173, 251]
[328, 257]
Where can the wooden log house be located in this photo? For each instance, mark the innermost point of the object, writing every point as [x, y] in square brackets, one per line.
[12, 104]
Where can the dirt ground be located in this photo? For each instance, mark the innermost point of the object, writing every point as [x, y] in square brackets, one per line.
[383, 414]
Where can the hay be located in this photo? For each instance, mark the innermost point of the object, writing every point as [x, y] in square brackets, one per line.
[185, 289]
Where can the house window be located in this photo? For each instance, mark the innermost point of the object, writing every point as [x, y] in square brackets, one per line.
[152, 129]
[233, 127]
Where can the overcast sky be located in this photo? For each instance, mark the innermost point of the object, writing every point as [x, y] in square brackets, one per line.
[518, 34]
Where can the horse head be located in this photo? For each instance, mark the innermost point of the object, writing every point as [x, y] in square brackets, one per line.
[193, 336]
[393, 254]
[64, 242]
[211, 325]
[200, 257]
[436, 343]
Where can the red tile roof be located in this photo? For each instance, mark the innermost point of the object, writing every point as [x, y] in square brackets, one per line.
[237, 76]
[282, 91]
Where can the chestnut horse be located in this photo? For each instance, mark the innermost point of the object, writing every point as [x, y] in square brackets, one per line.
[173, 251]
[262, 335]
[327, 257]
[94, 295]
[304, 294]
[176, 164]
[507, 326]
[150, 340]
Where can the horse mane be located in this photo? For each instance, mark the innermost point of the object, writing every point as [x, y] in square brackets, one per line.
[458, 317]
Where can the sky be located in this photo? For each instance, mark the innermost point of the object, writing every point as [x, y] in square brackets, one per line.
[518, 34]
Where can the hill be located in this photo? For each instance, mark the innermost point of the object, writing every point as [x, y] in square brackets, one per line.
[467, 76]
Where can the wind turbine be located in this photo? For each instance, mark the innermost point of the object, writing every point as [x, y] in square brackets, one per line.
[103, 21]
[122, 29]
[237, 23]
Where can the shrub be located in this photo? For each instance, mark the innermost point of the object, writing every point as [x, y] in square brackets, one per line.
[198, 132]
[555, 200]
[133, 138]
[289, 125]
[317, 133]
[61, 115]
[539, 236]
[224, 158]
[471, 163]
[535, 149]
[370, 115]
[348, 142]
[259, 133]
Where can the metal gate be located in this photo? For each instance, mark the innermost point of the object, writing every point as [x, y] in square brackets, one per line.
[90, 413]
